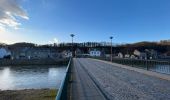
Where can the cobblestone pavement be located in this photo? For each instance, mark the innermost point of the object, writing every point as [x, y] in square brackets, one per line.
[123, 84]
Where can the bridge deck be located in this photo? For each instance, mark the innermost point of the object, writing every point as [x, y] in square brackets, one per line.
[83, 87]
[95, 80]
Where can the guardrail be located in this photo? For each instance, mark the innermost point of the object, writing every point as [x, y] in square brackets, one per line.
[152, 65]
[62, 93]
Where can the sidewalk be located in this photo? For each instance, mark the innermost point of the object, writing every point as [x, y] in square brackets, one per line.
[150, 73]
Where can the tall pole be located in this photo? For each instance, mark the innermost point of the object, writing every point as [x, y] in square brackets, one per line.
[72, 36]
[111, 49]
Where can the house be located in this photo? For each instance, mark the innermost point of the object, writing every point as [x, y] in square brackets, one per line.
[78, 53]
[132, 57]
[120, 55]
[152, 54]
[140, 55]
[127, 55]
[107, 55]
[4, 52]
[95, 53]
[19, 53]
[34, 53]
[41, 53]
[165, 55]
[66, 54]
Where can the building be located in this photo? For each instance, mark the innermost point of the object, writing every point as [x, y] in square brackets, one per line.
[34, 53]
[18, 53]
[140, 55]
[120, 55]
[78, 53]
[152, 54]
[66, 54]
[127, 55]
[165, 55]
[107, 55]
[4, 52]
[41, 53]
[132, 57]
[95, 53]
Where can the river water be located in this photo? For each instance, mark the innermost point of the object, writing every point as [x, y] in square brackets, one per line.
[31, 77]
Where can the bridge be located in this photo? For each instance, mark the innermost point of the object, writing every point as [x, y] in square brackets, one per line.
[91, 79]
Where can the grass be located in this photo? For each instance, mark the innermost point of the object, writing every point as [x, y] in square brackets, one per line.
[29, 94]
[46, 95]
[50, 95]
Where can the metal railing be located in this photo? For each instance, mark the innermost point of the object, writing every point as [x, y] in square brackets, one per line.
[63, 91]
[152, 65]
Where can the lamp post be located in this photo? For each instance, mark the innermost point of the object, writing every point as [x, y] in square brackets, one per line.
[72, 36]
[111, 49]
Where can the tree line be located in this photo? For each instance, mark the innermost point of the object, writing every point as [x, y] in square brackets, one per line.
[162, 46]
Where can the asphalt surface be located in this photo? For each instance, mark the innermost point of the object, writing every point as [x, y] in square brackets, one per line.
[95, 80]
[83, 87]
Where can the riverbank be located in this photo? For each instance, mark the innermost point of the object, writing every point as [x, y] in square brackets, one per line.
[49, 61]
[28, 94]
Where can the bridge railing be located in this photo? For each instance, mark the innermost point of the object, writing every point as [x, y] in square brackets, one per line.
[62, 93]
[152, 65]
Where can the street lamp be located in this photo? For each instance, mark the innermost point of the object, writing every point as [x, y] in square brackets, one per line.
[72, 36]
[111, 49]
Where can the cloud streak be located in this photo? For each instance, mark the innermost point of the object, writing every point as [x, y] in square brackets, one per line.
[10, 10]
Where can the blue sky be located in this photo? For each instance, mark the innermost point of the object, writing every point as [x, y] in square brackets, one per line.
[128, 21]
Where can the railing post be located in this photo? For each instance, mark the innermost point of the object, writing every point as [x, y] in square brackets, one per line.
[147, 67]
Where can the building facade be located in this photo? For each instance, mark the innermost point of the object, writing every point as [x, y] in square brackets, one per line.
[4, 52]
[94, 53]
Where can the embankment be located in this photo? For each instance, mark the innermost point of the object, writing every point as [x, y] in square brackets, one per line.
[49, 61]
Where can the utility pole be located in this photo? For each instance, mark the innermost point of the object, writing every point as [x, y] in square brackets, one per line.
[111, 49]
[72, 36]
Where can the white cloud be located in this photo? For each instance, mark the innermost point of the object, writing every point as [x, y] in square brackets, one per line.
[55, 40]
[2, 29]
[9, 11]
[50, 42]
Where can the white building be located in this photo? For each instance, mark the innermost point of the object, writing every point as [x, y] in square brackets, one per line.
[127, 56]
[132, 57]
[66, 54]
[140, 55]
[4, 52]
[95, 53]
[107, 55]
[120, 55]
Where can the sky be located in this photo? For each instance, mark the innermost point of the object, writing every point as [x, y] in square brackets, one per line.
[52, 21]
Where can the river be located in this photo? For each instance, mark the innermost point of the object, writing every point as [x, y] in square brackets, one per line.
[31, 77]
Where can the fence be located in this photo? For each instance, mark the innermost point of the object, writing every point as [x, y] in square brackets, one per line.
[63, 90]
[152, 65]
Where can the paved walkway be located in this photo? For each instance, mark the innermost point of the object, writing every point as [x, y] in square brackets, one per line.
[143, 71]
[97, 80]
[83, 87]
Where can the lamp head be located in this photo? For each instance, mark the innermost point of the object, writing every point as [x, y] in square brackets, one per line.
[72, 35]
[111, 37]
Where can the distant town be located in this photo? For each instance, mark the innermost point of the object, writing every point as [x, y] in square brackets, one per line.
[140, 50]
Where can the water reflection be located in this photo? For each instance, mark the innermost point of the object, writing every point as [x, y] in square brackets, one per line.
[161, 68]
[6, 78]
[26, 77]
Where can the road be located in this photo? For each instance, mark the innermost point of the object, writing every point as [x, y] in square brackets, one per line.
[96, 80]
